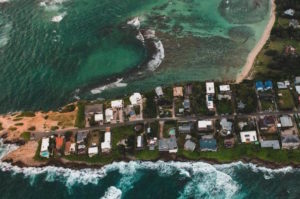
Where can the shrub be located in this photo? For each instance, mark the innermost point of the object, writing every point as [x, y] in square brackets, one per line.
[68, 108]
[26, 114]
[54, 128]
[19, 124]
[32, 128]
[80, 120]
[26, 136]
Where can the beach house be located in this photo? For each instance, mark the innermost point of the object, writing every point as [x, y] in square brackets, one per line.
[208, 143]
[135, 99]
[44, 152]
[205, 125]
[248, 136]
[106, 144]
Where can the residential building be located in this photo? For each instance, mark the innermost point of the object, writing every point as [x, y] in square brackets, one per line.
[268, 85]
[290, 141]
[44, 152]
[189, 145]
[92, 151]
[270, 144]
[268, 124]
[93, 112]
[297, 80]
[178, 91]
[186, 104]
[208, 144]
[59, 141]
[210, 88]
[248, 136]
[226, 127]
[117, 104]
[159, 91]
[136, 99]
[205, 125]
[139, 142]
[209, 102]
[109, 115]
[289, 12]
[286, 122]
[81, 136]
[184, 127]
[282, 85]
[259, 86]
[168, 144]
[106, 145]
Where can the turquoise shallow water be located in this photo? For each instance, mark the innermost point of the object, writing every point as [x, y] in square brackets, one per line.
[54, 50]
[149, 180]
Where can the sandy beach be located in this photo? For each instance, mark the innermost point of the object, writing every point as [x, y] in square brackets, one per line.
[252, 55]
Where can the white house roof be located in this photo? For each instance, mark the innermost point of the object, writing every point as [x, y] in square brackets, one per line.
[248, 136]
[98, 117]
[135, 99]
[289, 12]
[298, 89]
[210, 87]
[139, 141]
[93, 150]
[159, 91]
[117, 103]
[105, 145]
[204, 123]
[225, 87]
[45, 144]
[107, 137]
[108, 114]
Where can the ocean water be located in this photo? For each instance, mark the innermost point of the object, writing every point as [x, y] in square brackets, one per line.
[55, 51]
[149, 180]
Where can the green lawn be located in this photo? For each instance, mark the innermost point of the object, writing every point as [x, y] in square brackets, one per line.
[267, 105]
[147, 155]
[224, 107]
[285, 101]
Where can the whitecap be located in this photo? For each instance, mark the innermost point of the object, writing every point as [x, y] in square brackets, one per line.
[4, 34]
[112, 193]
[4, 1]
[135, 22]
[59, 18]
[158, 57]
[115, 84]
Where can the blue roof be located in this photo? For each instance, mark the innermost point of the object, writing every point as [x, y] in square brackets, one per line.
[268, 84]
[210, 144]
[259, 85]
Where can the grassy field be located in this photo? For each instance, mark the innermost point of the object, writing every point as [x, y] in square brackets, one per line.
[285, 100]
[224, 106]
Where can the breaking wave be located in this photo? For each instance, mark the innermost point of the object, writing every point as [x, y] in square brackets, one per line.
[4, 33]
[115, 84]
[112, 193]
[59, 17]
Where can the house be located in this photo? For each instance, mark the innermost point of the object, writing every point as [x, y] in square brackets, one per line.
[159, 91]
[70, 147]
[59, 141]
[210, 88]
[268, 85]
[205, 125]
[270, 144]
[297, 80]
[268, 123]
[44, 152]
[241, 105]
[178, 91]
[186, 104]
[117, 104]
[294, 23]
[229, 142]
[109, 115]
[168, 144]
[297, 89]
[226, 127]
[248, 136]
[81, 149]
[286, 122]
[92, 151]
[209, 102]
[139, 142]
[106, 145]
[185, 128]
[259, 86]
[224, 88]
[290, 141]
[282, 85]
[188, 90]
[95, 112]
[135, 99]
[189, 145]
[99, 118]
[81, 136]
[289, 12]
[208, 144]
[152, 144]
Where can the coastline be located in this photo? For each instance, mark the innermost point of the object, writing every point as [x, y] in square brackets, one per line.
[248, 67]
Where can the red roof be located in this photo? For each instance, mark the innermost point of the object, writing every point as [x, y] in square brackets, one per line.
[59, 142]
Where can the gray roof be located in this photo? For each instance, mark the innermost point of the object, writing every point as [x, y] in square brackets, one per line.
[208, 144]
[270, 144]
[93, 108]
[286, 121]
[167, 144]
[81, 135]
[290, 139]
[184, 129]
[297, 80]
[226, 124]
[189, 145]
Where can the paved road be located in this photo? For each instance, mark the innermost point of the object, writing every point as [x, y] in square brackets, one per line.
[39, 135]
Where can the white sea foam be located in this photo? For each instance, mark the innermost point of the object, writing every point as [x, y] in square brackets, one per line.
[158, 57]
[4, 1]
[115, 84]
[135, 22]
[112, 193]
[4, 34]
[59, 17]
